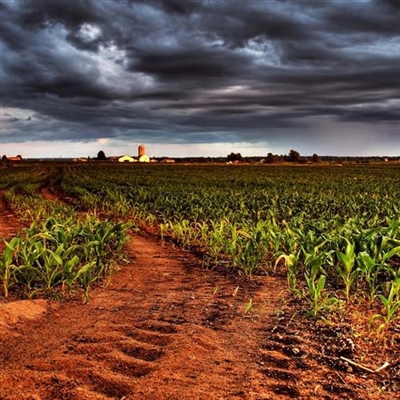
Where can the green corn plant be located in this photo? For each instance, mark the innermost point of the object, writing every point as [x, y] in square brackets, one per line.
[70, 272]
[49, 264]
[319, 303]
[6, 263]
[249, 305]
[105, 232]
[216, 240]
[276, 239]
[291, 262]
[26, 273]
[256, 249]
[387, 255]
[313, 263]
[232, 243]
[184, 233]
[315, 258]
[369, 270]
[204, 229]
[315, 277]
[164, 230]
[85, 277]
[391, 306]
[347, 271]
[248, 249]
[315, 289]
[251, 257]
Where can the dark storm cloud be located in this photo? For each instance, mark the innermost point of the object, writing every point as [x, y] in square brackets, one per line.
[178, 6]
[353, 17]
[392, 3]
[37, 13]
[190, 63]
[193, 71]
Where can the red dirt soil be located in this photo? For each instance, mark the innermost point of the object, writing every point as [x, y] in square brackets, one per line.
[9, 225]
[166, 328]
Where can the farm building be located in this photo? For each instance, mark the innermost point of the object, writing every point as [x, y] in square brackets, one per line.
[126, 159]
[144, 158]
[16, 158]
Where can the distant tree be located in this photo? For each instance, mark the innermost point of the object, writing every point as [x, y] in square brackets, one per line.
[234, 157]
[6, 161]
[315, 158]
[270, 158]
[294, 156]
[101, 155]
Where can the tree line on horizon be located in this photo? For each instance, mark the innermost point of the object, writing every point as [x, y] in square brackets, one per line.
[293, 157]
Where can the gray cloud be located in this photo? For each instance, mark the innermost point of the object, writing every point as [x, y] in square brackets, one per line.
[203, 71]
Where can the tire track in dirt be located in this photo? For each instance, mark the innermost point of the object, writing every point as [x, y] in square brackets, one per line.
[53, 194]
[290, 363]
[3, 204]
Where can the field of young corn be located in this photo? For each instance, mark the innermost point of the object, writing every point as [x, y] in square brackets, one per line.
[61, 250]
[334, 232]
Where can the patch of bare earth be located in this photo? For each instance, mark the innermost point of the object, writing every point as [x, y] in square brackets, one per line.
[166, 328]
[9, 225]
[48, 194]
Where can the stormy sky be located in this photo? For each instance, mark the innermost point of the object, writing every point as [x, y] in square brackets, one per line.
[200, 77]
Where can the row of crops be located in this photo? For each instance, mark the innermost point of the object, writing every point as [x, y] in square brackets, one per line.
[334, 232]
[60, 252]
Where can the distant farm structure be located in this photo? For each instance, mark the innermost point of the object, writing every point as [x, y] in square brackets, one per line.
[9, 161]
[126, 159]
[141, 150]
[142, 156]
[16, 158]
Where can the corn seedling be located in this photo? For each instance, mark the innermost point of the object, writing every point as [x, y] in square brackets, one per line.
[391, 306]
[347, 270]
[249, 306]
[7, 264]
